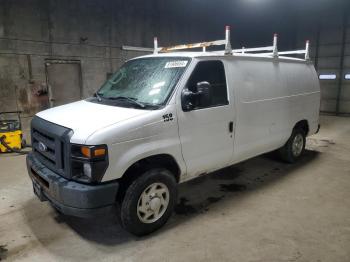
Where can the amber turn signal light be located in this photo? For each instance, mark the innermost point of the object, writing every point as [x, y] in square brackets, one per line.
[99, 152]
[86, 151]
[90, 152]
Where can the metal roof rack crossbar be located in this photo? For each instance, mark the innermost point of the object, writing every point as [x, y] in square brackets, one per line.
[261, 51]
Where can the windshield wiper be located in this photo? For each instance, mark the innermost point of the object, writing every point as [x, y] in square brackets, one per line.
[129, 99]
[98, 96]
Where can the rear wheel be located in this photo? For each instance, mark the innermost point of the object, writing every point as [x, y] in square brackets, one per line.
[294, 147]
[148, 202]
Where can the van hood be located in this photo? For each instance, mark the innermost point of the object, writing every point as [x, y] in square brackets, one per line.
[85, 118]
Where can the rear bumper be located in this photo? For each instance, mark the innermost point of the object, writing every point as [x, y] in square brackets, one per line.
[69, 197]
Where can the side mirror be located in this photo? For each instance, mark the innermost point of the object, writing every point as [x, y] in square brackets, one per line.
[189, 99]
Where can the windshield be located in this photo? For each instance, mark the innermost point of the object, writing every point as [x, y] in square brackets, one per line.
[147, 81]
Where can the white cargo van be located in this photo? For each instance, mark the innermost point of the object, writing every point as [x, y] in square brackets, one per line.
[166, 118]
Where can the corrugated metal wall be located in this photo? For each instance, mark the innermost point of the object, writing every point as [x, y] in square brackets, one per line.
[330, 50]
[334, 59]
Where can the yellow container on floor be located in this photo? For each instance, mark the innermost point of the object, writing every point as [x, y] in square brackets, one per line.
[11, 135]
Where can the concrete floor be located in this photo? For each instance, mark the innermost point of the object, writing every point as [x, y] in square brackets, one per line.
[258, 210]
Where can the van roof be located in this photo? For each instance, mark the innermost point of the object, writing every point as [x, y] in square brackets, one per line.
[219, 54]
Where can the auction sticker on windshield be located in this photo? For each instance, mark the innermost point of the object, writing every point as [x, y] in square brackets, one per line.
[173, 64]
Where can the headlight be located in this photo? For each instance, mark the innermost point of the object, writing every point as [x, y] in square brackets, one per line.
[88, 163]
[87, 170]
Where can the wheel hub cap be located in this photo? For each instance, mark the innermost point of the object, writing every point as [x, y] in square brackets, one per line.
[298, 144]
[153, 203]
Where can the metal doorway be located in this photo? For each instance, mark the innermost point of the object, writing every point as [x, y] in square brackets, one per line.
[64, 81]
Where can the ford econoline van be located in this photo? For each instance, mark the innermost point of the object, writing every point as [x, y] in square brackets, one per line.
[166, 118]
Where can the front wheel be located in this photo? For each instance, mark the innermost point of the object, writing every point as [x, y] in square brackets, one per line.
[149, 201]
[294, 147]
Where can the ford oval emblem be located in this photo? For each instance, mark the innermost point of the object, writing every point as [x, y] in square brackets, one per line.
[42, 147]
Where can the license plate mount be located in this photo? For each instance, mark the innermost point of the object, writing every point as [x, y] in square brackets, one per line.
[38, 191]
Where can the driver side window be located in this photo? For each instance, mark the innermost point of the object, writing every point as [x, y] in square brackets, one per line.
[212, 72]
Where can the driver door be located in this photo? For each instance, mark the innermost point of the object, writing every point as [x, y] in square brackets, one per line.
[206, 131]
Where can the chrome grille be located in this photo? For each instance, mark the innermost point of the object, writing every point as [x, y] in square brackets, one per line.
[50, 152]
[51, 145]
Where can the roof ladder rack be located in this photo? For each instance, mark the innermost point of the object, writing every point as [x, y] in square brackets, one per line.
[203, 45]
[305, 51]
[274, 46]
[228, 48]
[269, 51]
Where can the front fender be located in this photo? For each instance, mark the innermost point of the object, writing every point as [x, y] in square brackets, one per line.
[125, 154]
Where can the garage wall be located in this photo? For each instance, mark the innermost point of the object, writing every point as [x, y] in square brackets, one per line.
[334, 58]
[35, 33]
[329, 32]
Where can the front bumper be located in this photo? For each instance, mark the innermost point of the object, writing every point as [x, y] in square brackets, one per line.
[69, 197]
[318, 128]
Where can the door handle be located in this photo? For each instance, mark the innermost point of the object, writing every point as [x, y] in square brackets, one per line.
[230, 126]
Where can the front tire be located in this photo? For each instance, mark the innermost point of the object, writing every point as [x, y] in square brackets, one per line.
[295, 146]
[149, 202]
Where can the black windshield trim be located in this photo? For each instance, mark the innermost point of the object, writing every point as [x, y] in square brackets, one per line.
[128, 99]
[122, 103]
